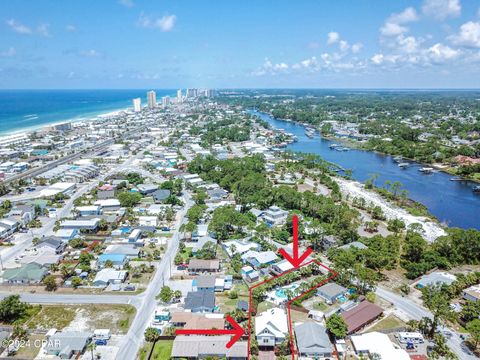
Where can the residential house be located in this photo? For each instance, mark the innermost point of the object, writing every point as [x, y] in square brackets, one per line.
[147, 189]
[271, 327]
[108, 205]
[106, 191]
[90, 210]
[249, 274]
[259, 259]
[88, 225]
[117, 260]
[274, 216]
[281, 267]
[26, 274]
[331, 292]
[160, 195]
[313, 341]
[109, 276]
[199, 265]
[204, 283]
[148, 221]
[43, 258]
[200, 301]
[434, 278]
[130, 251]
[189, 320]
[378, 344]
[66, 234]
[472, 293]
[67, 344]
[201, 347]
[52, 244]
[361, 315]
[239, 247]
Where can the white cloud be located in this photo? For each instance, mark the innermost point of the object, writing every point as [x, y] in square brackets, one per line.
[270, 68]
[127, 3]
[440, 53]
[43, 30]
[19, 28]
[393, 24]
[377, 59]
[343, 45]
[357, 47]
[442, 9]
[9, 52]
[333, 37]
[407, 44]
[70, 28]
[469, 35]
[165, 23]
[89, 53]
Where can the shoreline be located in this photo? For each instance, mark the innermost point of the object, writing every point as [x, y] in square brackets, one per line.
[354, 144]
[432, 230]
[82, 118]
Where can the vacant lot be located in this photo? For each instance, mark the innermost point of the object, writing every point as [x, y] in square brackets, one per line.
[117, 318]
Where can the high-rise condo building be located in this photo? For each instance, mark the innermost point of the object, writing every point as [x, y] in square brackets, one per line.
[137, 104]
[165, 101]
[152, 99]
[179, 95]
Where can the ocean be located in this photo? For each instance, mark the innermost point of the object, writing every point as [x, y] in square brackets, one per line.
[22, 110]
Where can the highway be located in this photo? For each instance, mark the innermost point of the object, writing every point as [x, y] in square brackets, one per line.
[417, 312]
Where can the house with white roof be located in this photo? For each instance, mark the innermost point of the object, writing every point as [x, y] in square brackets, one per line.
[109, 276]
[271, 327]
[239, 247]
[258, 259]
[375, 343]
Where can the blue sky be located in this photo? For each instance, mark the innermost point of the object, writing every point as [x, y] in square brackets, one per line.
[247, 43]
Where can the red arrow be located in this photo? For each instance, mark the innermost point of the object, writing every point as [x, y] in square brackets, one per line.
[237, 332]
[296, 261]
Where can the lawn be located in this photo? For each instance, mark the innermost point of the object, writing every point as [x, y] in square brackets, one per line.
[320, 306]
[390, 322]
[162, 350]
[264, 306]
[226, 304]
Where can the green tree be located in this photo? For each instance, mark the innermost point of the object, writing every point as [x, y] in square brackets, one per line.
[337, 326]
[11, 308]
[151, 335]
[437, 301]
[76, 282]
[473, 327]
[50, 283]
[129, 199]
[166, 294]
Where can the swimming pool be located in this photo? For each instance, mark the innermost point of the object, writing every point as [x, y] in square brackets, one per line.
[282, 292]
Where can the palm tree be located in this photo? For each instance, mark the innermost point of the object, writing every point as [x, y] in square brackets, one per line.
[91, 347]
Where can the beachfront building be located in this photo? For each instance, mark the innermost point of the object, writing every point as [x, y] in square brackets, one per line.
[152, 99]
[137, 104]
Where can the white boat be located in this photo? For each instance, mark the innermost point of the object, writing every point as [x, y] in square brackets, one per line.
[403, 165]
[333, 146]
[426, 170]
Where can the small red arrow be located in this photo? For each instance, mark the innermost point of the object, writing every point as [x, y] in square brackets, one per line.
[237, 331]
[296, 261]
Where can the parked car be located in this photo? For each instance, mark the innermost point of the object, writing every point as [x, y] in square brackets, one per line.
[100, 342]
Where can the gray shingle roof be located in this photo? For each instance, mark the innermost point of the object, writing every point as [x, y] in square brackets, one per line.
[312, 338]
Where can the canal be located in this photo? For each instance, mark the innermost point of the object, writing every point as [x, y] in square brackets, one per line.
[452, 202]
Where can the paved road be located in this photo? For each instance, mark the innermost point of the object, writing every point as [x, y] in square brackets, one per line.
[416, 312]
[134, 339]
[134, 300]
